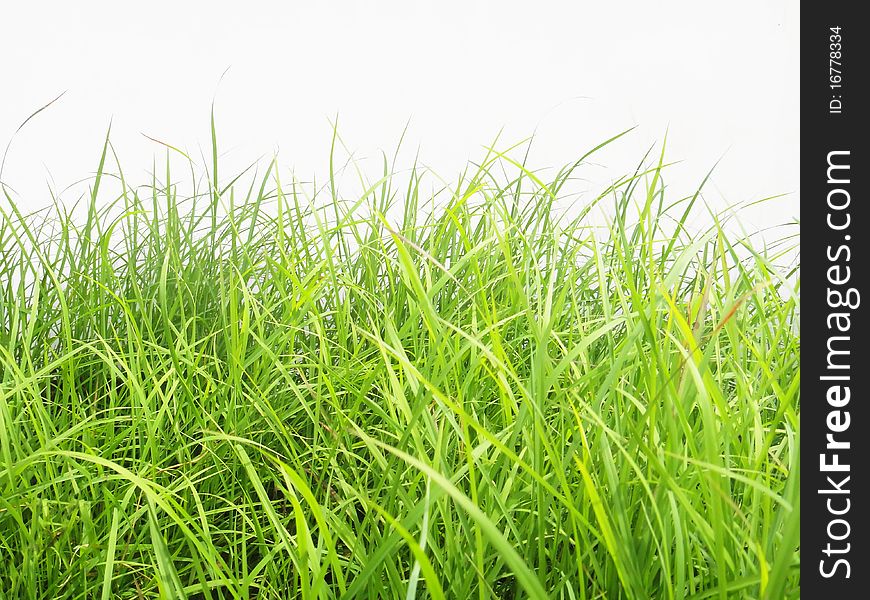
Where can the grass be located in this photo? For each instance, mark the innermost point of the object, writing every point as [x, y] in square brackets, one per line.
[273, 390]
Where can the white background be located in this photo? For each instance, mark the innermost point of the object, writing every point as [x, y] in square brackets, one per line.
[721, 78]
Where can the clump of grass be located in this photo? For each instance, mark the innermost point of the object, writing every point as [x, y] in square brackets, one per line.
[276, 391]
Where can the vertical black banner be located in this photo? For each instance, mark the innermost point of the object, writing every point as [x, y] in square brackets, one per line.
[835, 300]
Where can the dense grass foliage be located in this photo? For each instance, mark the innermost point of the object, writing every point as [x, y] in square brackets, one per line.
[275, 391]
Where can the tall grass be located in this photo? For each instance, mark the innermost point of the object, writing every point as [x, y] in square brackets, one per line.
[271, 390]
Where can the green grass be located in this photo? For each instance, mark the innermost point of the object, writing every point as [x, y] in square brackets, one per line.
[267, 389]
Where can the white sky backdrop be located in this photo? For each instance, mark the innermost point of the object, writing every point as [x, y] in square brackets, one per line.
[723, 77]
